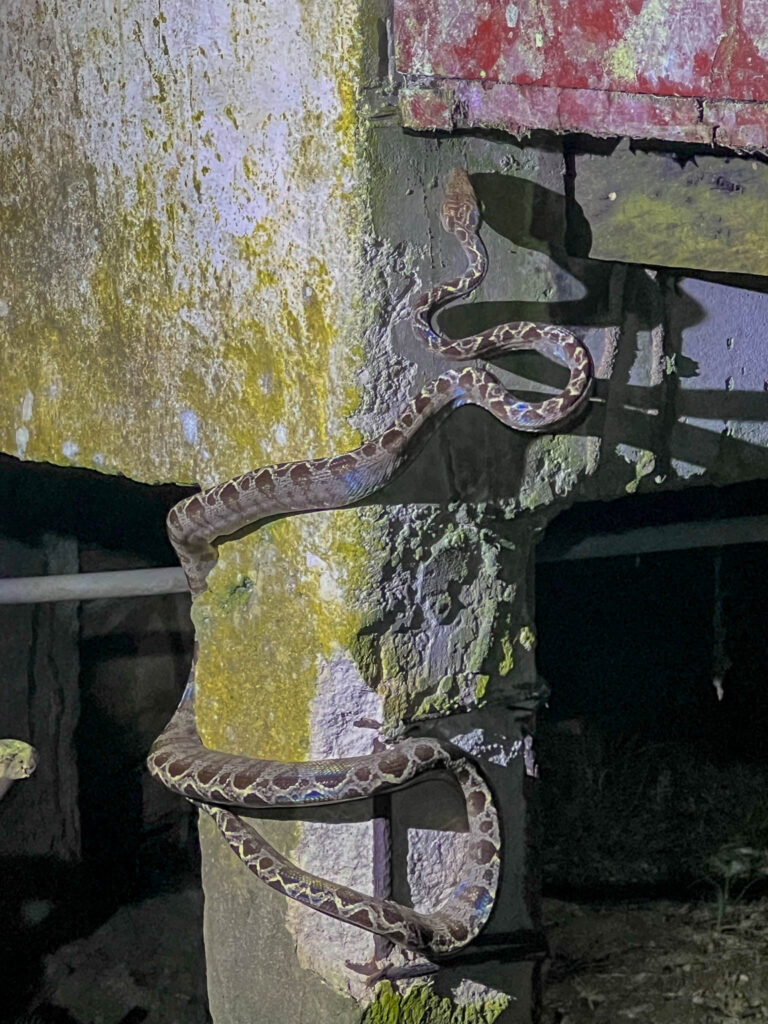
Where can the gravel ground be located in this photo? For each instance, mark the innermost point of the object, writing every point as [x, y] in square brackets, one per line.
[145, 965]
[657, 962]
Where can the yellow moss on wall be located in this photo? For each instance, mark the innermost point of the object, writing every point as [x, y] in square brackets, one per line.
[722, 233]
[177, 311]
[287, 597]
[280, 602]
[188, 307]
[128, 360]
[92, 368]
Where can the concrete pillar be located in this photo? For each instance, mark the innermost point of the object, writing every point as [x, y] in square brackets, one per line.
[321, 631]
[212, 231]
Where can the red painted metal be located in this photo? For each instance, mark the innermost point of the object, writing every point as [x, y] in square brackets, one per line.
[688, 70]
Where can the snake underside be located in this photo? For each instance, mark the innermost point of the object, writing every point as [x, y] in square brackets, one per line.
[217, 781]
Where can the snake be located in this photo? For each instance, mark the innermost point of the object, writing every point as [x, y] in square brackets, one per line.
[219, 781]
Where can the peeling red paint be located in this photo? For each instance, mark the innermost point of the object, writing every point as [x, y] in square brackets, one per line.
[605, 19]
[702, 64]
[739, 125]
[566, 66]
[738, 69]
[428, 108]
[483, 48]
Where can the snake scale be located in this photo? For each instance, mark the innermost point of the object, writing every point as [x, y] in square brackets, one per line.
[217, 781]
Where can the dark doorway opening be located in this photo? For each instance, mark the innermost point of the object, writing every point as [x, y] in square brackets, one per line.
[654, 762]
[653, 746]
[99, 864]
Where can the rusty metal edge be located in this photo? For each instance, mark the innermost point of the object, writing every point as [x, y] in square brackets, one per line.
[453, 104]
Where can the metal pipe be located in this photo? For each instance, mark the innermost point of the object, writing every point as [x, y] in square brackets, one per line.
[90, 586]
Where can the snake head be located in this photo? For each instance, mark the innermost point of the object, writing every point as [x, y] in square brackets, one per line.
[459, 208]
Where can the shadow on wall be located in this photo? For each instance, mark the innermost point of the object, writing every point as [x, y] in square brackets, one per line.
[650, 394]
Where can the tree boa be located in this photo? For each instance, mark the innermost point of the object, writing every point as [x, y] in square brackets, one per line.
[216, 780]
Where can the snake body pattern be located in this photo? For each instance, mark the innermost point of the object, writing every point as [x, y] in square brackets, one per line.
[216, 780]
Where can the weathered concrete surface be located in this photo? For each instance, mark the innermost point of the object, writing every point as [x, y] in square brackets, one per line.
[245, 918]
[455, 587]
[177, 224]
[181, 290]
[265, 318]
[688, 399]
[400, 611]
[719, 376]
[704, 213]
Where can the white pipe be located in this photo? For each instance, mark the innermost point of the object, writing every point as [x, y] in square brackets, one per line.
[88, 586]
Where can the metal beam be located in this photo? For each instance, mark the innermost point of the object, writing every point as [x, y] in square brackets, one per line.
[712, 533]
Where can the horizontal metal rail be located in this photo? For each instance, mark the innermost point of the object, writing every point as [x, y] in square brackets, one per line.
[645, 540]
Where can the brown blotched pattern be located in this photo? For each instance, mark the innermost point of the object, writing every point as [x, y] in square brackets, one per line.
[216, 780]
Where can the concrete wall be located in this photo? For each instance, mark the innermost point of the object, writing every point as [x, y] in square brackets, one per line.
[212, 229]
